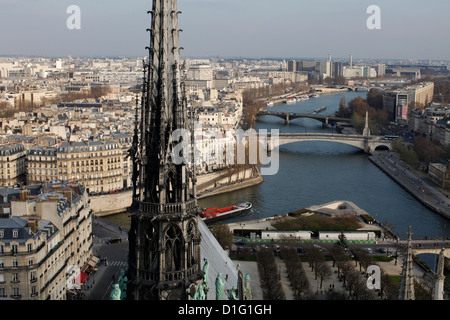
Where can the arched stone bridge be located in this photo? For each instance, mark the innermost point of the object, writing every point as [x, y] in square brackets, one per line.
[288, 116]
[437, 251]
[366, 143]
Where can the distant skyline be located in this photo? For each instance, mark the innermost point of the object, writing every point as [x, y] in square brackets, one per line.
[410, 29]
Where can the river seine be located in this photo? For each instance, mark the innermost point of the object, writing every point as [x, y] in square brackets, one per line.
[312, 173]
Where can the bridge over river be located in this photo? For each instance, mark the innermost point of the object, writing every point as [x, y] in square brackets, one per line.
[288, 116]
[367, 143]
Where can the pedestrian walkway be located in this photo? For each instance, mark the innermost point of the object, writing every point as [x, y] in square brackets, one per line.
[285, 283]
[251, 268]
[331, 283]
[123, 264]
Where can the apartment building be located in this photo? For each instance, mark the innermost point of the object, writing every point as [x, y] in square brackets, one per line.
[423, 93]
[45, 231]
[439, 173]
[41, 165]
[12, 164]
[125, 141]
[97, 165]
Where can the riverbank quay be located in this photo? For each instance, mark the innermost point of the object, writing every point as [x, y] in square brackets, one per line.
[224, 183]
[419, 188]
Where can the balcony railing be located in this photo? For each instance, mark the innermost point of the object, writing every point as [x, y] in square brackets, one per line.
[169, 276]
[169, 208]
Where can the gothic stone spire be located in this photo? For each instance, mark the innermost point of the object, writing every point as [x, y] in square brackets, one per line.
[406, 290]
[164, 238]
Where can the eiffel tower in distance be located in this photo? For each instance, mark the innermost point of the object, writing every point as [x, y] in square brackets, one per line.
[164, 238]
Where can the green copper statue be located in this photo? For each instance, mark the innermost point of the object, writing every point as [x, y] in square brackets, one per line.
[205, 270]
[233, 294]
[115, 294]
[123, 284]
[200, 293]
[220, 284]
[247, 288]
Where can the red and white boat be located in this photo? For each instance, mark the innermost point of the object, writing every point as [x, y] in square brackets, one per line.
[215, 214]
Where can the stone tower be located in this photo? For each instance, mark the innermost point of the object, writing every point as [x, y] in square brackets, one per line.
[406, 290]
[164, 238]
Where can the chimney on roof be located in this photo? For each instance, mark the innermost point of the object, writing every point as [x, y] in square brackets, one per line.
[23, 194]
[68, 194]
[32, 224]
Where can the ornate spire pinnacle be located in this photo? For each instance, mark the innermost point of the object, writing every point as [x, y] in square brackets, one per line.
[164, 111]
[366, 131]
[406, 290]
[164, 238]
[438, 293]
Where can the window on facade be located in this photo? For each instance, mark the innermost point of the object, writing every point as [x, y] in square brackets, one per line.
[15, 233]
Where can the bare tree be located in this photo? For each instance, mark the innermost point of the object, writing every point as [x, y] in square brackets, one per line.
[269, 275]
[323, 271]
[223, 234]
[297, 277]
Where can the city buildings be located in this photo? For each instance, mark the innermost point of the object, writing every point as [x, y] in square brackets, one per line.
[320, 70]
[359, 72]
[400, 102]
[45, 230]
[433, 121]
[314, 69]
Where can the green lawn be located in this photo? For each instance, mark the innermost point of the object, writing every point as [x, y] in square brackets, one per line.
[316, 223]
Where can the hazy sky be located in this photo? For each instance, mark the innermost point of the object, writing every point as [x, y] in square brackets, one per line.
[410, 29]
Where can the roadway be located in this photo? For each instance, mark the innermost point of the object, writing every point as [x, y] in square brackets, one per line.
[421, 189]
[99, 285]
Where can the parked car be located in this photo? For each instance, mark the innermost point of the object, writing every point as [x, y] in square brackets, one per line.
[113, 240]
[315, 245]
[382, 250]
